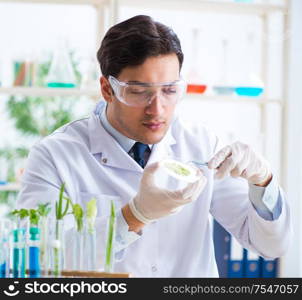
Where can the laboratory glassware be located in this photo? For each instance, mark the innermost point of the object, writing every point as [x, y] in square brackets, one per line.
[223, 87]
[194, 78]
[34, 252]
[57, 246]
[253, 86]
[61, 73]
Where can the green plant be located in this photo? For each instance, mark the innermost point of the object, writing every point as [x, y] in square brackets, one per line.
[44, 209]
[60, 211]
[78, 215]
[39, 116]
[21, 213]
[10, 156]
[110, 239]
[34, 217]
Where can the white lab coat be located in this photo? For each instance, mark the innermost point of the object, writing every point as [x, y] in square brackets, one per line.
[92, 164]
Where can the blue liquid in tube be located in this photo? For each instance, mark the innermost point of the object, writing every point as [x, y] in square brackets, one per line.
[19, 257]
[34, 262]
[3, 270]
[19, 263]
[34, 253]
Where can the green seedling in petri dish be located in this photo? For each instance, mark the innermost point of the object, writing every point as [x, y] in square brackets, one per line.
[178, 169]
[91, 213]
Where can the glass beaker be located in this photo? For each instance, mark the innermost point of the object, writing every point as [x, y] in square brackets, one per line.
[194, 78]
[223, 87]
[253, 85]
[61, 73]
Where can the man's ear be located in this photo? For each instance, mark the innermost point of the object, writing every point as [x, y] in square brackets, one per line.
[106, 89]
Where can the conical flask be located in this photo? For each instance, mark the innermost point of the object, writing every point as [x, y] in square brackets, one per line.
[252, 85]
[61, 73]
[223, 86]
[194, 77]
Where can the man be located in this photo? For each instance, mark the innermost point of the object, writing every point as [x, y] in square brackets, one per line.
[114, 154]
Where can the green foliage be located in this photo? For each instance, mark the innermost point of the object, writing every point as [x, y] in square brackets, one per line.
[34, 216]
[11, 155]
[21, 213]
[39, 116]
[44, 209]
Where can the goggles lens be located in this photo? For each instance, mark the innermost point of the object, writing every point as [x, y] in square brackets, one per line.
[142, 94]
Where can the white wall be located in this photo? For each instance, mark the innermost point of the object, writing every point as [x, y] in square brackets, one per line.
[292, 263]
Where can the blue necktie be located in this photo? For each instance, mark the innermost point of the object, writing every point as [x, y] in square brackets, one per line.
[139, 153]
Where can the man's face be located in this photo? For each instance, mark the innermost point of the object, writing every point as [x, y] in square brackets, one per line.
[147, 124]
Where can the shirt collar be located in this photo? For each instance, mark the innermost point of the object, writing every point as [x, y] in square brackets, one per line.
[125, 142]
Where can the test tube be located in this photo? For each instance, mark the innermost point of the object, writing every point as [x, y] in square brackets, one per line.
[44, 249]
[34, 252]
[57, 246]
[19, 257]
[4, 248]
[111, 229]
[90, 246]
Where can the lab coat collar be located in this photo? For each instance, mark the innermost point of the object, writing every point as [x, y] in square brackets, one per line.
[112, 153]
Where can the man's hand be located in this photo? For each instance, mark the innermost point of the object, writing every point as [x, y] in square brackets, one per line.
[152, 203]
[239, 159]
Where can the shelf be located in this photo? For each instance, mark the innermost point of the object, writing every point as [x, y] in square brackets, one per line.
[232, 99]
[79, 2]
[207, 6]
[41, 91]
[204, 5]
[10, 187]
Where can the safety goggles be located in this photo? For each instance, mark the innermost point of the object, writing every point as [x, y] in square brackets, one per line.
[140, 94]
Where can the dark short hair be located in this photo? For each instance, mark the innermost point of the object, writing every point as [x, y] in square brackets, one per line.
[131, 42]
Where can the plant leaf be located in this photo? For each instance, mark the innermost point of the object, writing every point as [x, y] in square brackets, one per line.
[23, 213]
[78, 215]
[44, 209]
[34, 216]
[91, 213]
[60, 202]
